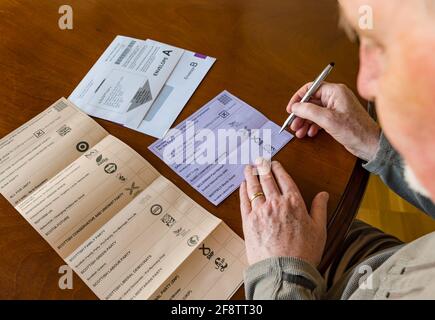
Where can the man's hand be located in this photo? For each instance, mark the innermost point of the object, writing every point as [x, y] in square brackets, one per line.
[278, 223]
[337, 110]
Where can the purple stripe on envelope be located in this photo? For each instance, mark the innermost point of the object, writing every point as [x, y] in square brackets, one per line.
[199, 55]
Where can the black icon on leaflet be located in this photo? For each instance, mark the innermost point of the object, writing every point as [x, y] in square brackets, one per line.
[82, 146]
[156, 209]
[132, 188]
[206, 251]
[224, 114]
[91, 154]
[220, 263]
[110, 168]
[193, 240]
[121, 177]
[100, 160]
[39, 133]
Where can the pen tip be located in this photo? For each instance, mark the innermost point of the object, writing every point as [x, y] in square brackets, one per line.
[332, 64]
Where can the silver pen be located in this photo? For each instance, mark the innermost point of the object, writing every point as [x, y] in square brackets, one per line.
[316, 85]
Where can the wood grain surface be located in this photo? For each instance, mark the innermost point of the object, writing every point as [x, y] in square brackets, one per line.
[265, 51]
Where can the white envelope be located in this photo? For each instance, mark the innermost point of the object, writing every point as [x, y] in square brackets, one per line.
[143, 85]
[181, 85]
[126, 79]
[166, 58]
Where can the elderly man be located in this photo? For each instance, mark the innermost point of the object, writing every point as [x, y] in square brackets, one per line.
[284, 241]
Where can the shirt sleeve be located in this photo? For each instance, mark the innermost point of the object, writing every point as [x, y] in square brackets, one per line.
[283, 278]
[388, 165]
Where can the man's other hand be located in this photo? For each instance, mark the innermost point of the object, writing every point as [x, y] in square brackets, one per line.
[278, 223]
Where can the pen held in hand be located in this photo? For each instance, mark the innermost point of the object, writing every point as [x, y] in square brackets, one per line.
[314, 87]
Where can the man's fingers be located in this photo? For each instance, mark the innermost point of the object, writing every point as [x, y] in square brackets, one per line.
[283, 179]
[299, 94]
[297, 97]
[317, 96]
[252, 184]
[267, 180]
[297, 124]
[319, 208]
[302, 132]
[245, 204]
[314, 130]
[314, 113]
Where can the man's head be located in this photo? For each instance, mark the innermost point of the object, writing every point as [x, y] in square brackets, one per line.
[397, 70]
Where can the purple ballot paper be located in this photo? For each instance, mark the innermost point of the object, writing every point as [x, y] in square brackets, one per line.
[211, 148]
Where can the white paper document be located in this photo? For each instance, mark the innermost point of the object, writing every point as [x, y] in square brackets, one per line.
[193, 149]
[127, 231]
[141, 84]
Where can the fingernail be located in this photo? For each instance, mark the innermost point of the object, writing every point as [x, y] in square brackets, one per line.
[259, 161]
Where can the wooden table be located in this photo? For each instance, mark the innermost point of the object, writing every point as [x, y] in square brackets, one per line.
[265, 51]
